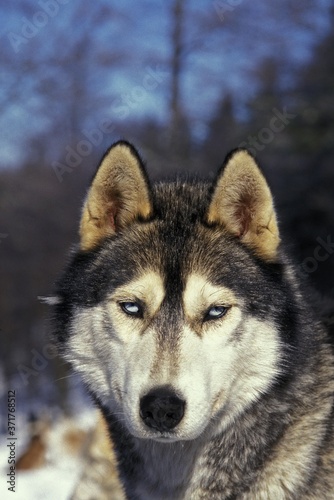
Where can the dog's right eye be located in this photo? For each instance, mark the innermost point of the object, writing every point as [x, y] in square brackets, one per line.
[132, 309]
[215, 312]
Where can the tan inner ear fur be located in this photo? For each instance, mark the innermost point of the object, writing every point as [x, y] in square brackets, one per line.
[118, 195]
[243, 204]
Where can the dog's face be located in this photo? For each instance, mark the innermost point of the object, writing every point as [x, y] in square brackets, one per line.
[166, 308]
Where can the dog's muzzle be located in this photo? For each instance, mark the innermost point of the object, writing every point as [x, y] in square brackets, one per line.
[161, 409]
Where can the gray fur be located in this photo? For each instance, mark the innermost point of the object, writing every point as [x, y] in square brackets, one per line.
[267, 433]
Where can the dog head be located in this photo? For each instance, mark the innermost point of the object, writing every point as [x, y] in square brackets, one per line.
[171, 309]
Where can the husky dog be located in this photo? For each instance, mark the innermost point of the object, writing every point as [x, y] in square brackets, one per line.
[189, 328]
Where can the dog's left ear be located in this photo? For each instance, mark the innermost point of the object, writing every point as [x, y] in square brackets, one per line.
[243, 204]
[119, 195]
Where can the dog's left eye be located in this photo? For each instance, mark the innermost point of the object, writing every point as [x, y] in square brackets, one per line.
[132, 309]
[215, 312]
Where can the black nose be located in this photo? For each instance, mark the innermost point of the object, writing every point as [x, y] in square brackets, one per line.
[161, 409]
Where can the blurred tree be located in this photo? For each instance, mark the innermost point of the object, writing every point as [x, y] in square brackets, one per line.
[225, 133]
[310, 211]
[38, 215]
[56, 75]
[179, 139]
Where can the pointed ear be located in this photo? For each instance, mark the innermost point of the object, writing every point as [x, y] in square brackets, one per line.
[118, 195]
[243, 204]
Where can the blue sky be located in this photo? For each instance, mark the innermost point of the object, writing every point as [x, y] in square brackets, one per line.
[225, 42]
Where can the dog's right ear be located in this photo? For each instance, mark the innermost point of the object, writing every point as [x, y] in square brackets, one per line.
[119, 194]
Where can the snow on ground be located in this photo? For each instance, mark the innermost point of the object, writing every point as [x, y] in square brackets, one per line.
[54, 481]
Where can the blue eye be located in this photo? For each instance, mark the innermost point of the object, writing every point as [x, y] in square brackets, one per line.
[215, 312]
[132, 309]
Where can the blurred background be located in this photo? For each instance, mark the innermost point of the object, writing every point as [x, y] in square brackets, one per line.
[186, 81]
